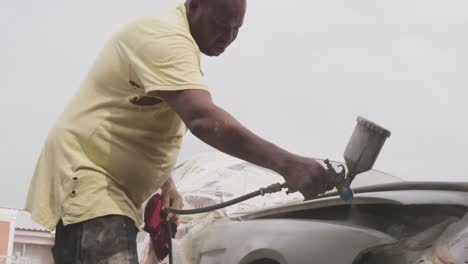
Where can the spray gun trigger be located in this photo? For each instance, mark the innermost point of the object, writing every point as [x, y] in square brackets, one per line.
[340, 176]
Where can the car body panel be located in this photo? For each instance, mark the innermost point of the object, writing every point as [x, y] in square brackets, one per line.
[274, 234]
[287, 241]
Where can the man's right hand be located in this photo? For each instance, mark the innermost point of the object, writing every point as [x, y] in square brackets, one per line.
[307, 176]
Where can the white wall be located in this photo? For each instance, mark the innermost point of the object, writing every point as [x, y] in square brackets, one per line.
[33, 254]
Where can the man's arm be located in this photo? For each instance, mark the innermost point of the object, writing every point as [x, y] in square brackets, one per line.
[220, 130]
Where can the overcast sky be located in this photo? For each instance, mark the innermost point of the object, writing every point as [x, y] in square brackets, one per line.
[299, 74]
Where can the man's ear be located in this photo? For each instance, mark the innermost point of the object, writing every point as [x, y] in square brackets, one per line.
[194, 7]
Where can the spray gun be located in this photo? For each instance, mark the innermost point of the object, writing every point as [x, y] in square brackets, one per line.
[360, 155]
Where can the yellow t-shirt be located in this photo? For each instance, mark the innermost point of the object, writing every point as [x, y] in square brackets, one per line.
[116, 142]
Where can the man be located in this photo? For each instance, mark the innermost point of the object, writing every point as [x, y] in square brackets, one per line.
[118, 139]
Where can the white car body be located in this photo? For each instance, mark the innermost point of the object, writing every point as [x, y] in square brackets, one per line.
[285, 229]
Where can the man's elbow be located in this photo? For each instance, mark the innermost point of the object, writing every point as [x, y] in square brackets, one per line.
[208, 125]
[208, 121]
[199, 126]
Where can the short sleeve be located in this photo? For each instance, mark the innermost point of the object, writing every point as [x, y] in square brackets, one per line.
[168, 64]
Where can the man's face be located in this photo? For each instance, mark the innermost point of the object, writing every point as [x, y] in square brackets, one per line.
[215, 24]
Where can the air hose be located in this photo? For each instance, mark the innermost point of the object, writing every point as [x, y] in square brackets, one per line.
[277, 187]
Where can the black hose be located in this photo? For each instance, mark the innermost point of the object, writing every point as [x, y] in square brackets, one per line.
[169, 226]
[215, 206]
[262, 191]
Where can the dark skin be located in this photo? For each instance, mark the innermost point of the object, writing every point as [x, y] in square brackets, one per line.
[214, 25]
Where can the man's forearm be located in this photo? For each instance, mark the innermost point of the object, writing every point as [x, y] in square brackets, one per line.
[223, 132]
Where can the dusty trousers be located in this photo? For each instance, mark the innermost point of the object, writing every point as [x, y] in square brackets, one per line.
[102, 240]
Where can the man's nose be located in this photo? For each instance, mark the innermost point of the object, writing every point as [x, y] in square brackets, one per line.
[228, 36]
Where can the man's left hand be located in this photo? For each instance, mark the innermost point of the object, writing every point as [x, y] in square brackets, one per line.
[171, 198]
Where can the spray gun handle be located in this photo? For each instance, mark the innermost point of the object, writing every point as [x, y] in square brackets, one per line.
[341, 183]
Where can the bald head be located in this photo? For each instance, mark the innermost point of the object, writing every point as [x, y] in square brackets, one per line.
[225, 5]
[214, 24]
